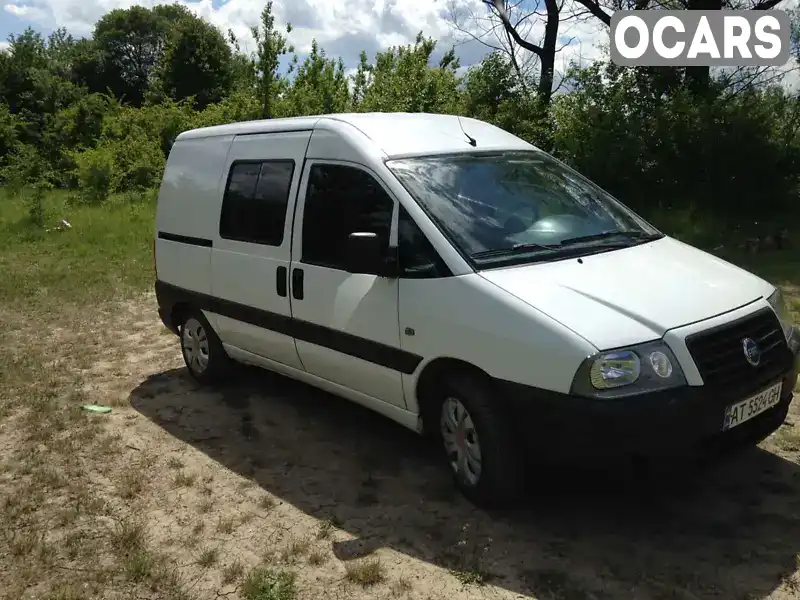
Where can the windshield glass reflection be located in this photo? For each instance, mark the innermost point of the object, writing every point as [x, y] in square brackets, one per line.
[518, 204]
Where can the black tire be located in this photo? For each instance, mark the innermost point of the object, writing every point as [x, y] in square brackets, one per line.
[501, 471]
[217, 364]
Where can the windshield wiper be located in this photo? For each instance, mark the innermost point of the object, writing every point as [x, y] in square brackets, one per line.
[513, 250]
[630, 234]
[563, 244]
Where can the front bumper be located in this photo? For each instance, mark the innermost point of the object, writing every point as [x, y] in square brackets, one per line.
[683, 421]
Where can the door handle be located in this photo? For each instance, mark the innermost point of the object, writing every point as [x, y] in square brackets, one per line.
[297, 284]
[281, 281]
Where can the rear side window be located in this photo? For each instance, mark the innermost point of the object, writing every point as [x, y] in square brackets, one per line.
[255, 202]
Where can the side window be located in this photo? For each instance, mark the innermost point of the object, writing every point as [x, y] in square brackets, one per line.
[339, 201]
[255, 201]
[418, 257]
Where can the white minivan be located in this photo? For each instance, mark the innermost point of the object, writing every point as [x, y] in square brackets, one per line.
[460, 281]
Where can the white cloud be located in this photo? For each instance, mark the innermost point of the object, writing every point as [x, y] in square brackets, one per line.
[25, 11]
[342, 27]
[346, 27]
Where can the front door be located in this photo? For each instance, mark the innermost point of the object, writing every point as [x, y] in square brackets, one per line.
[346, 324]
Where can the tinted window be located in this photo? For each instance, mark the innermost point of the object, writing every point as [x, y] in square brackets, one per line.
[340, 201]
[418, 258]
[255, 201]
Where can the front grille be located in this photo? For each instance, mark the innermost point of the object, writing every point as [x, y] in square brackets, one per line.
[719, 354]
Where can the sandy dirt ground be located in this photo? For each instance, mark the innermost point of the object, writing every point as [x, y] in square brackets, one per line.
[268, 471]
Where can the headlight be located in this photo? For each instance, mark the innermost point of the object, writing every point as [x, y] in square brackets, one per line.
[778, 304]
[614, 369]
[628, 371]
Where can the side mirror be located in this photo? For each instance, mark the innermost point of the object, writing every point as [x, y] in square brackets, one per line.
[366, 254]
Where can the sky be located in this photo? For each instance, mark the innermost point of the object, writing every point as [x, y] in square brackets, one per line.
[342, 27]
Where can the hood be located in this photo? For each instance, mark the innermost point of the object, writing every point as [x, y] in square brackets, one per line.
[632, 295]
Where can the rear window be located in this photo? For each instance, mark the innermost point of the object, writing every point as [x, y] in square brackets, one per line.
[255, 201]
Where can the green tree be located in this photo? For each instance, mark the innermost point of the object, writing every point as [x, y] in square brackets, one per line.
[196, 63]
[131, 42]
[243, 67]
[319, 87]
[494, 92]
[736, 153]
[402, 80]
[33, 83]
[361, 80]
[88, 66]
[271, 45]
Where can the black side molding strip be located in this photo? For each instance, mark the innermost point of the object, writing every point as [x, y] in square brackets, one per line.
[377, 353]
[185, 239]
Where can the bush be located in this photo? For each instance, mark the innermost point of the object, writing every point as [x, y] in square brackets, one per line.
[129, 164]
[36, 209]
[95, 173]
[659, 148]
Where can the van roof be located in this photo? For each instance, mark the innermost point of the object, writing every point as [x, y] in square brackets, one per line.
[395, 134]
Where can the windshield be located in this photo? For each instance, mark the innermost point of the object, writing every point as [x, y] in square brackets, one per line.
[518, 206]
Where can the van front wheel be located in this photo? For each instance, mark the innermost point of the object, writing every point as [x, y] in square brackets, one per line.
[478, 443]
[202, 350]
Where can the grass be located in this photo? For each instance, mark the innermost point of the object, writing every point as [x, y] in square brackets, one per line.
[269, 584]
[232, 572]
[226, 525]
[208, 557]
[295, 549]
[106, 254]
[184, 479]
[325, 530]
[401, 587]
[472, 577]
[365, 573]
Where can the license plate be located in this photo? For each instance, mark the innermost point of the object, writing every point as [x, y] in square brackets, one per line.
[743, 411]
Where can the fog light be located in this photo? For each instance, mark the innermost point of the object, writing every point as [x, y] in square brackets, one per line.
[661, 364]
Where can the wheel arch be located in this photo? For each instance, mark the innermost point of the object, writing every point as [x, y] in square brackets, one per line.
[178, 314]
[428, 388]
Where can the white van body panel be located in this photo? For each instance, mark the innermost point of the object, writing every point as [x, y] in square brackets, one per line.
[468, 318]
[356, 304]
[250, 127]
[404, 417]
[414, 134]
[632, 295]
[393, 134]
[188, 205]
[245, 272]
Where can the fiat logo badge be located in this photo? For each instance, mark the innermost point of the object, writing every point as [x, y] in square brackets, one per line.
[751, 351]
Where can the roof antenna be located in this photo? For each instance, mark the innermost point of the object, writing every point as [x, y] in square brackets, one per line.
[472, 141]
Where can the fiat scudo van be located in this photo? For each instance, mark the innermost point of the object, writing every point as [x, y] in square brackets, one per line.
[465, 284]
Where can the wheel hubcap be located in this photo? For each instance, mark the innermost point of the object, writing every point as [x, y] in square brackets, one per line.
[195, 346]
[461, 441]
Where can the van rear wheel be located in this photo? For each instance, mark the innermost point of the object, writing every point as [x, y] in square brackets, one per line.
[478, 443]
[202, 350]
